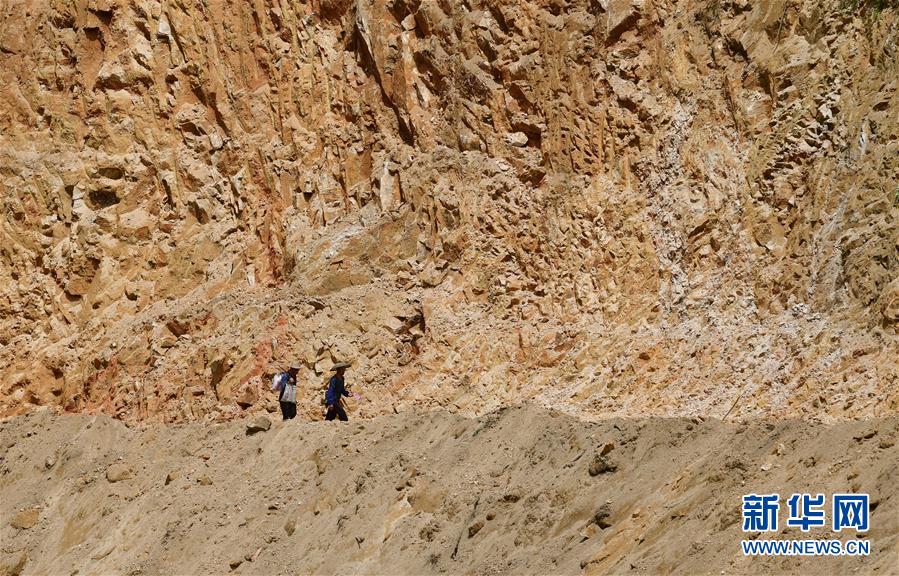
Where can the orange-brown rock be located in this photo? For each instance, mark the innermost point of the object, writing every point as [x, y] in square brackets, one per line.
[612, 207]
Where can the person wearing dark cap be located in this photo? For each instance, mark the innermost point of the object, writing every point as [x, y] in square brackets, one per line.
[286, 385]
[336, 391]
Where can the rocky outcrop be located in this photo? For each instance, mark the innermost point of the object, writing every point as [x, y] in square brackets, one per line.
[615, 207]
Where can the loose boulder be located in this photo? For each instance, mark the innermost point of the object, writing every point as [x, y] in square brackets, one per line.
[258, 424]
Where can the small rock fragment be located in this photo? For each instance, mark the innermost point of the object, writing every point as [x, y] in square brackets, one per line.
[517, 139]
[118, 472]
[601, 516]
[475, 528]
[601, 465]
[866, 436]
[163, 30]
[233, 564]
[50, 462]
[290, 526]
[204, 480]
[468, 140]
[621, 16]
[589, 531]
[25, 519]
[103, 551]
[609, 446]
[512, 497]
[171, 477]
[258, 424]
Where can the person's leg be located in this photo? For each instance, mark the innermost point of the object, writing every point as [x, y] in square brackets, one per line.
[341, 413]
[284, 410]
[291, 411]
[331, 413]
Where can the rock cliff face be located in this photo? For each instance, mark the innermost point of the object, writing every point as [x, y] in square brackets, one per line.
[609, 206]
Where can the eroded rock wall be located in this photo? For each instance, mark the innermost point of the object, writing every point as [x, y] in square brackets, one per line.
[613, 206]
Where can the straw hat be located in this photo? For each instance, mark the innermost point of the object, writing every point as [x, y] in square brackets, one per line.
[340, 365]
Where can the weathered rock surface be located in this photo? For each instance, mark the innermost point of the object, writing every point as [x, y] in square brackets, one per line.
[615, 207]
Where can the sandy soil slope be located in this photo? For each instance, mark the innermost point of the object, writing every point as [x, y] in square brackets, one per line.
[521, 490]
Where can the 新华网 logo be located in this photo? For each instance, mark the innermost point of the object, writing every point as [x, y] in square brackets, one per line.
[850, 512]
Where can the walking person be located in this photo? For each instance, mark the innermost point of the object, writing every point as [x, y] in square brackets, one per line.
[286, 385]
[336, 391]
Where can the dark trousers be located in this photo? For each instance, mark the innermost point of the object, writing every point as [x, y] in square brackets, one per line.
[336, 411]
[288, 410]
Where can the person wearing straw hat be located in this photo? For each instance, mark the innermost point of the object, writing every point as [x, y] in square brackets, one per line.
[336, 391]
[286, 385]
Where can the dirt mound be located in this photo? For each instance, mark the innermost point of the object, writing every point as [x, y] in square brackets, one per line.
[522, 490]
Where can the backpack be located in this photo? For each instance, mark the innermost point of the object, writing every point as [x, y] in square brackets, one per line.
[288, 390]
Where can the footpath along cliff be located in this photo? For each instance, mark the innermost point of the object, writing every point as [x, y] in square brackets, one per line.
[613, 207]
